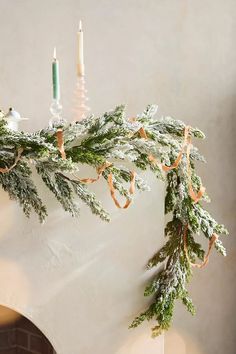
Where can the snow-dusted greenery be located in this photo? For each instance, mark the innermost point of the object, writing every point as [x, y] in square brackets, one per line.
[114, 138]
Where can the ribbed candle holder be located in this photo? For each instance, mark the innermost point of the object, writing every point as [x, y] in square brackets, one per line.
[81, 109]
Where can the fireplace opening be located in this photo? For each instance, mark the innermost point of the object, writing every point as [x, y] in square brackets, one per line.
[18, 335]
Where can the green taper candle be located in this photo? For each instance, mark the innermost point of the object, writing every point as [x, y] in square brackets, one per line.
[55, 77]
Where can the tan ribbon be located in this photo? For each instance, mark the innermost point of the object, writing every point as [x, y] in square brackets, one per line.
[60, 143]
[8, 169]
[142, 133]
[186, 145]
[100, 170]
[212, 241]
[131, 190]
[195, 196]
[179, 157]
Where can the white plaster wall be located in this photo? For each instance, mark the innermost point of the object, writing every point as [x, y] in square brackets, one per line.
[80, 281]
[177, 53]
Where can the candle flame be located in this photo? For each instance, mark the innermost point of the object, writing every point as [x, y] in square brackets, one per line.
[55, 53]
[80, 26]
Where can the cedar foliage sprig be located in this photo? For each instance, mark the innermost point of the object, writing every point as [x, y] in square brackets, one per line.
[112, 137]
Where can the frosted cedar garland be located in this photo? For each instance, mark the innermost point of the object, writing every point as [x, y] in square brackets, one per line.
[103, 143]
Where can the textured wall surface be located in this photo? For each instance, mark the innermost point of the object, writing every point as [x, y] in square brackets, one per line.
[80, 281]
[179, 54]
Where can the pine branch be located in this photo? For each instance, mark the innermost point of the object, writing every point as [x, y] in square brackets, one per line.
[114, 138]
[20, 187]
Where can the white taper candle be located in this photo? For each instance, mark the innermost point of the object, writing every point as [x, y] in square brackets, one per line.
[80, 57]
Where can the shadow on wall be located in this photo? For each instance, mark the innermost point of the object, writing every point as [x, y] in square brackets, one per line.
[180, 342]
[18, 335]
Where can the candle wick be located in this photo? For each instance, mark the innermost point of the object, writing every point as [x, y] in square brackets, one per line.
[80, 26]
[55, 53]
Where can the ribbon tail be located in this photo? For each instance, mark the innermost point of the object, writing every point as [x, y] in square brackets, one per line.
[212, 241]
[175, 164]
[100, 170]
[60, 143]
[89, 180]
[18, 157]
[143, 133]
[112, 191]
[196, 196]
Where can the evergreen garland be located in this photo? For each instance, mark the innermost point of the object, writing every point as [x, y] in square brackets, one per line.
[113, 138]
